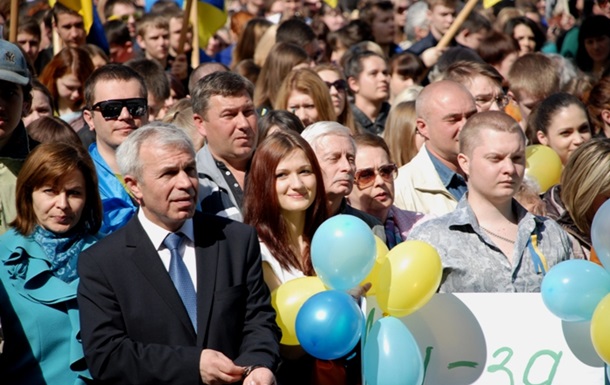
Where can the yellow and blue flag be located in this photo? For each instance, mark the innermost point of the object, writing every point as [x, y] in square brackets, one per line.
[211, 16]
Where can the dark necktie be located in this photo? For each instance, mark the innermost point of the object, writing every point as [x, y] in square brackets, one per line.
[180, 276]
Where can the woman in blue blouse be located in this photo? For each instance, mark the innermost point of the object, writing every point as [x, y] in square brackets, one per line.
[58, 214]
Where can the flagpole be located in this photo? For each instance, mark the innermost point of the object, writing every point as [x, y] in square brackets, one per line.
[14, 20]
[185, 27]
[457, 23]
[195, 59]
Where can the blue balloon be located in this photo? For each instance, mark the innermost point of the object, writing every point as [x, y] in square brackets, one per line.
[329, 324]
[391, 355]
[600, 229]
[343, 251]
[572, 289]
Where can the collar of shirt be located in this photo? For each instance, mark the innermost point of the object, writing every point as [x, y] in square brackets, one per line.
[451, 179]
[157, 235]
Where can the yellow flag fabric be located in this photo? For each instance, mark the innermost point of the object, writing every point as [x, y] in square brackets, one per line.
[82, 7]
[490, 3]
[211, 16]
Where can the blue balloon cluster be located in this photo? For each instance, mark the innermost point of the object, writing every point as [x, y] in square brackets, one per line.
[343, 251]
[572, 289]
[329, 324]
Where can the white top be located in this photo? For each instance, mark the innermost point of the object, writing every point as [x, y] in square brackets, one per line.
[282, 274]
[157, 235]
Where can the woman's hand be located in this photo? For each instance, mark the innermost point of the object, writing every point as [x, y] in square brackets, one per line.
[360, 291]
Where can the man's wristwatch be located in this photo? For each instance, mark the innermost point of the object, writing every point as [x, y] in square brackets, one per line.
[249, 370]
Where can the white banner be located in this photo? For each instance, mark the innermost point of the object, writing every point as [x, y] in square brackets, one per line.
[500, 339]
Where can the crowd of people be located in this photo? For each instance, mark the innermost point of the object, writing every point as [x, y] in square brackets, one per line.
[153, 193]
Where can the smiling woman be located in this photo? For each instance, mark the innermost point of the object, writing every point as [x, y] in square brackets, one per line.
[286, 210]
[58, 215]
[561, 122]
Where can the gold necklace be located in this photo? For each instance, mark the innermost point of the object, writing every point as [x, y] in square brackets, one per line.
[496, 235]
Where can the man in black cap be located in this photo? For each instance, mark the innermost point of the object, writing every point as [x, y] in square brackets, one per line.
[15, 145]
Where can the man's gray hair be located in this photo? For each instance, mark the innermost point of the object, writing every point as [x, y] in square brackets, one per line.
[315, 132]
[416, 17]
[155, 133]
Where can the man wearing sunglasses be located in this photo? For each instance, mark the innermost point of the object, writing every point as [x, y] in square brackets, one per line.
[115, 99]
[124, 10]
[433, 183]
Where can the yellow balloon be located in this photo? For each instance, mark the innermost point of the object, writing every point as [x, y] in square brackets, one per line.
[287, 301]
[408, 278]
[600, 329]
[544, 165]
[382, 251]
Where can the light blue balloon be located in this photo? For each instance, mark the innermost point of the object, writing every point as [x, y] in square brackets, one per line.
[329, 324]
[343, 251]
[600, 234]
[391, 355]
[572, 289]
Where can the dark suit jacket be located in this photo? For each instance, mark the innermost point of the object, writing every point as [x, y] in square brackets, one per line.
[134, 326]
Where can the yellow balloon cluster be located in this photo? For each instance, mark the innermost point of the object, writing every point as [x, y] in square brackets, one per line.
[544, 165]
[287, 301]
[600, 329]
[408, 278]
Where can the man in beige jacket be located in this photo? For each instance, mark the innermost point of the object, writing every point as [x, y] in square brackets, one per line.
[433, 182]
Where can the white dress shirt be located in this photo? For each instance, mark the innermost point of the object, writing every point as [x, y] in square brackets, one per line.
[157, 235]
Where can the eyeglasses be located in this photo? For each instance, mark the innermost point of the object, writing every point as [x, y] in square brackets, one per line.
[111, 109]
[137, 15]
[500, 100]
[339, 84]
[366, 177]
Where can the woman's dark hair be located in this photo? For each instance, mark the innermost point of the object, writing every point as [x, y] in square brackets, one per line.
[496, 46]
[49, 129]
[283, 119]
[47, 165]
[539, 38]
[262, 208]
[408, 66]
[592, 26]
[541, 116]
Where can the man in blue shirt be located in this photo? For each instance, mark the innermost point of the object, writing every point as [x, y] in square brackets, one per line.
[115, 99]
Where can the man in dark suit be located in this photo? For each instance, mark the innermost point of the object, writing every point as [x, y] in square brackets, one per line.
[209, 320]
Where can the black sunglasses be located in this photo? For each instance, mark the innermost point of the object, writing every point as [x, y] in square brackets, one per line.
[366, 177]
[339, 84]
[111, 109]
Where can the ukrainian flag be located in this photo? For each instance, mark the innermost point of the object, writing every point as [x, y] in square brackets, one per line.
[82, 7]
[211, 16]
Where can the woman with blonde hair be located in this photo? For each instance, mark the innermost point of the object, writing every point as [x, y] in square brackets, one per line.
[337, 87]
[282, 58]
[585, 186]
[401, 133]
[305, 94]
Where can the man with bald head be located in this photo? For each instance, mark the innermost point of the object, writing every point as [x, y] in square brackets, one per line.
[433, 181]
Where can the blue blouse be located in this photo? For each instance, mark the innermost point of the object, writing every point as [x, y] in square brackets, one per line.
[39, 317]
